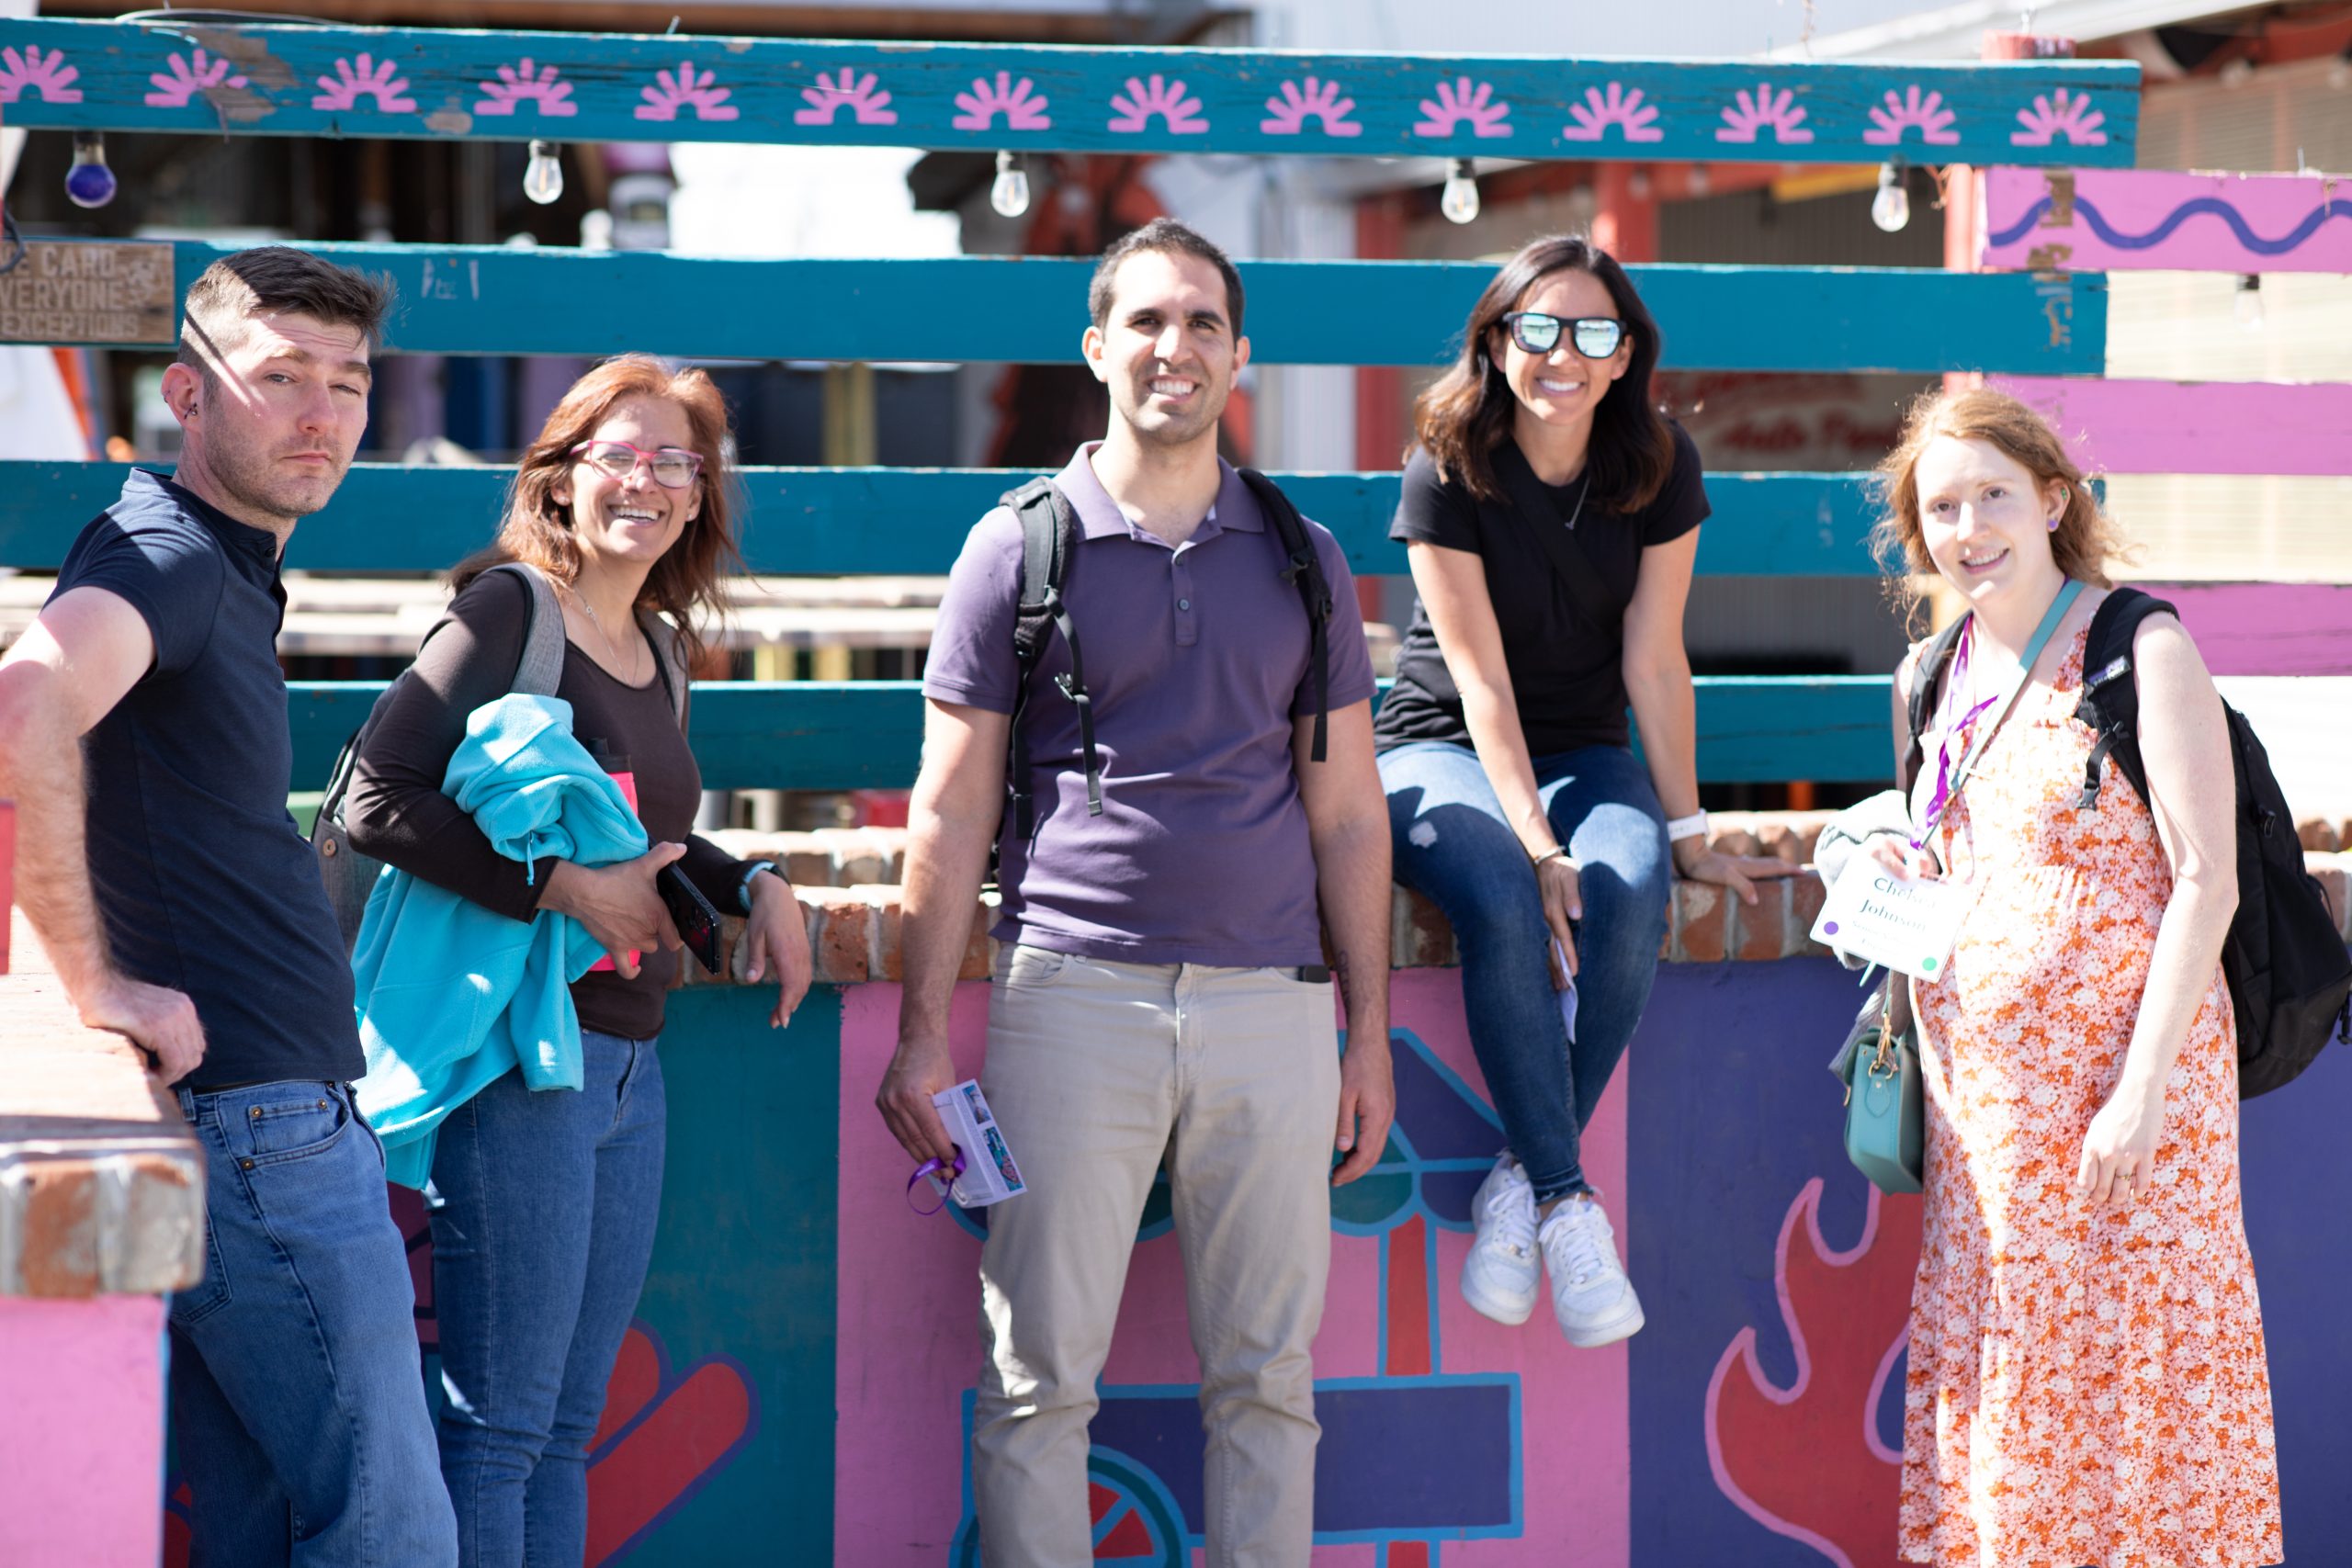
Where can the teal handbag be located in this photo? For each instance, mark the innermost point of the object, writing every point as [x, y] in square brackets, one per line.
[1886, 1131]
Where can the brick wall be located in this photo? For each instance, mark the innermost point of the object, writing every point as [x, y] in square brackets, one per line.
[847, 883]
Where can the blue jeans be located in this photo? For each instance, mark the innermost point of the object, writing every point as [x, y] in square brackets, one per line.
[543, 1207]
[1452, 845]
[297, 1410]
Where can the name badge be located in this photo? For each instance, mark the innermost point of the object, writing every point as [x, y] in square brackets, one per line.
[1907, 924]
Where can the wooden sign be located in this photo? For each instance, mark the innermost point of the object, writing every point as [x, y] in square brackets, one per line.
[97, 291]
[2114, 219]
[212, 78]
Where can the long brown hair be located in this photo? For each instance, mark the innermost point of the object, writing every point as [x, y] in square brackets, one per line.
[683, 584]
[1467, 411]
[2086, 539]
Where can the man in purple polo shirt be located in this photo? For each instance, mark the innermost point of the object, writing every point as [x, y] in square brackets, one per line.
[1160, 993]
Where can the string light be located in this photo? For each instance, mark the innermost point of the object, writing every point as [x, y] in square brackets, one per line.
[89, 183]
[1891, 207]
[1460, 201]
[2248, 308]
[1010, 194]
[543, 180]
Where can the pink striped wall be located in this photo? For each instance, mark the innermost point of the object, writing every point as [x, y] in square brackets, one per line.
[2193, 427]
[2123, 220]
[2266, 628]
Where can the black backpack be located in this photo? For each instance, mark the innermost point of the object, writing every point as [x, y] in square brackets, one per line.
[1049, 537]
[2289, 977]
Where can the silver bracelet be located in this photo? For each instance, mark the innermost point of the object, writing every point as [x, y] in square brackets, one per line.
[1692, 826]
[1557, 851]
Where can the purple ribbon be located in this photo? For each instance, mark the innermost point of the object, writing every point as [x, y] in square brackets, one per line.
[1960, 731]
[931, 1168]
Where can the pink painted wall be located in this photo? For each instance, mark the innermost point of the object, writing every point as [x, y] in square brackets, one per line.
[2266, 628]
[909, 1345]
[2190, 427]
[2115, 219]
[82, 1432]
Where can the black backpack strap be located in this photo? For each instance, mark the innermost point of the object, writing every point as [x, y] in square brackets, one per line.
[1048, 538]
[1303, 569]
[2111, 700]
[1926, 684]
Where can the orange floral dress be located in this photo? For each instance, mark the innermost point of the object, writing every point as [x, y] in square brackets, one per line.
[2087, 1386]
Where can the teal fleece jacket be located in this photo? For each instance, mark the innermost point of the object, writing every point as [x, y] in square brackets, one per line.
[452, 995]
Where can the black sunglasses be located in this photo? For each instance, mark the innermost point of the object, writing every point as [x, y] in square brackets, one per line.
[1595, 337]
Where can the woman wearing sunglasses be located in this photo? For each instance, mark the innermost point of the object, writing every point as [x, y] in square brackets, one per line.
[1551, 516]
[544, 1202]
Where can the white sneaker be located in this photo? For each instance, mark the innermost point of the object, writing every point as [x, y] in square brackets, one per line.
[1590, 1295]
[1499, 1277]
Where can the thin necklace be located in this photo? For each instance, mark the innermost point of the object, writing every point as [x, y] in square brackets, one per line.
[1582, 491]
[610, 652]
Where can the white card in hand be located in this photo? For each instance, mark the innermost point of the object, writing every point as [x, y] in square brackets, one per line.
[1567, 992]
[1909, 924]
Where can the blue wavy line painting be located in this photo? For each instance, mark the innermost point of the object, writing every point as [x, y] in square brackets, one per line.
[2089, 215]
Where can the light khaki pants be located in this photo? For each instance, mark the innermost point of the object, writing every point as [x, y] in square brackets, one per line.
[1096, 1071]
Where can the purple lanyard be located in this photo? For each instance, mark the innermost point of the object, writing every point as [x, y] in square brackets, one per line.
[1948, 782]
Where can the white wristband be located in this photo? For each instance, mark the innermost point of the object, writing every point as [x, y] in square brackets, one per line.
[1692, 826]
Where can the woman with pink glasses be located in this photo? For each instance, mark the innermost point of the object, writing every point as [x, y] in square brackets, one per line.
[544, 1202]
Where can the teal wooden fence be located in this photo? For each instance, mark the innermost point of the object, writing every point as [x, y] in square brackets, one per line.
[494, 299]
[304, 81]
[210, 78]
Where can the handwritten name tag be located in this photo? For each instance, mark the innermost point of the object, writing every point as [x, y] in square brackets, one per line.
[1907, 924]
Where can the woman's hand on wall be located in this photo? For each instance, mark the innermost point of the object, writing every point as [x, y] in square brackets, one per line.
[617, 904]
[776, 939]
[1700, 862]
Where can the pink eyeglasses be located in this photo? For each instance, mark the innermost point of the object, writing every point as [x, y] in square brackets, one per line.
[672, 469]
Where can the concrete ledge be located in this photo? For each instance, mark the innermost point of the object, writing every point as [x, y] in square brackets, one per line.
[101, 1184]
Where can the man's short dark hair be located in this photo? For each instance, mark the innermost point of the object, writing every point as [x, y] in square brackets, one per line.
[1170, 238]
[237, 287]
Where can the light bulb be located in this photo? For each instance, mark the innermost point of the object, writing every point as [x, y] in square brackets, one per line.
[89, 183]
[2236, 72]
[1460, 201]
[2248, 308]
[1891, 207]
[2339, 70]
[543, 180]
[1009, 195]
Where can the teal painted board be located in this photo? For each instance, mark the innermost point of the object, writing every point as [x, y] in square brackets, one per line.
[890, 522]
[206, 78]
[868, 734]
[739, 1301]
[494, 299]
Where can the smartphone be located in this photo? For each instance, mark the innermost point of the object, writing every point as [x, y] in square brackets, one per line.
[698, 922]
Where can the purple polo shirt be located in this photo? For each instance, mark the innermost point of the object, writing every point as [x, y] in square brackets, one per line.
[1197, 657]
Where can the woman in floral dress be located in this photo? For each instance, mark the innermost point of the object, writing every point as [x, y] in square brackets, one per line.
[2087, 1382]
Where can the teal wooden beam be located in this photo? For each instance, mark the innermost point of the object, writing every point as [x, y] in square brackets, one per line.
[207, 78]
[868, 734]
[890, 522]
[492, 299]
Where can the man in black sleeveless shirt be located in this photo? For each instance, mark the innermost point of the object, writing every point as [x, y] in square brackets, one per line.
[182, 908]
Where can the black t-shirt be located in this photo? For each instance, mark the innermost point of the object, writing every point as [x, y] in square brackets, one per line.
[203, 881]
[1566, 672]
[397, 813]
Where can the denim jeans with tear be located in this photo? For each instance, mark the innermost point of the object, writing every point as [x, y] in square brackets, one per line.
[543, 1206]
[1452, 845]
[298, 1409]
